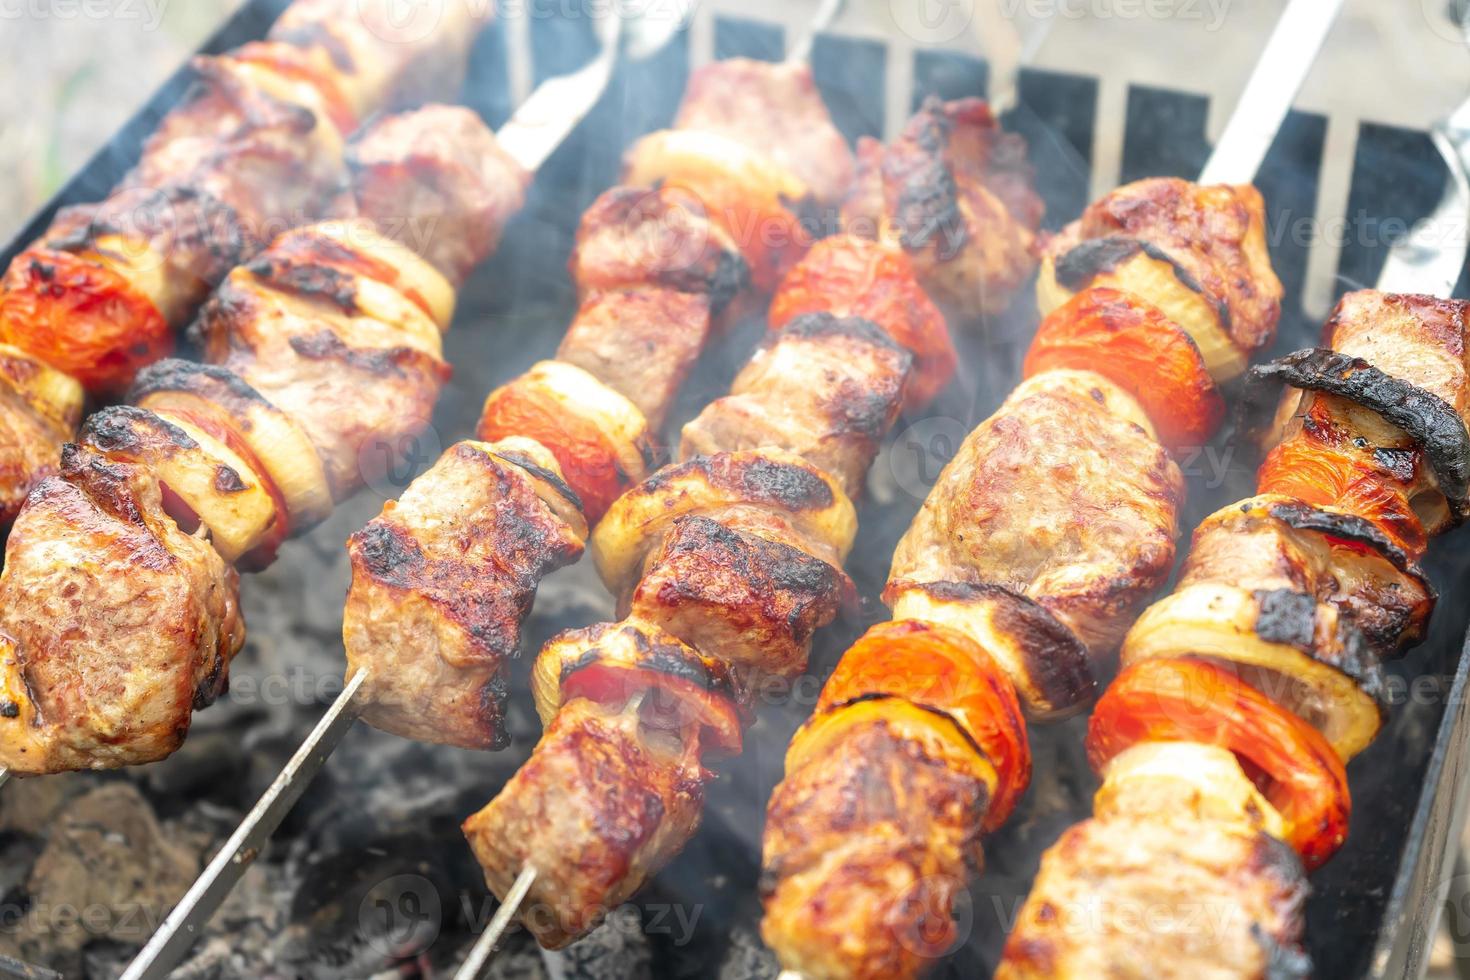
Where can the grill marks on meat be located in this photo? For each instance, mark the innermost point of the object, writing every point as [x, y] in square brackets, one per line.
[751, 601]
[597, 808]
[299, 335]
[824, 388]
[114, 624]
[441, 582]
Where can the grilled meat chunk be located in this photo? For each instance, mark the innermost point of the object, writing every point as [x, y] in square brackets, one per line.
[387, 60]
[868, 840]
[443, 579]
[1196, 253]
[1063, 496]
[752, 602]
[356, 363]
[824, 388]
[957, 198]
[114, 624]
[773, 108]
[640, 342]
[436, 180]
[660, 236]
[258, 132]
[604, 800]
[1219, 899]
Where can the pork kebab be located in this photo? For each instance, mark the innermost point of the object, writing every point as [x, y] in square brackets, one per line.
[725, 563]
[432, 622]
[1042, 538]
[256, 147]
[118, 600]
[1242, 696]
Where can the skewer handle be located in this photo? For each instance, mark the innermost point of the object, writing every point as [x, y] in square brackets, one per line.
[474, 965]
[1277, 77]
[169, 945]
[4, 775]
[825, 15]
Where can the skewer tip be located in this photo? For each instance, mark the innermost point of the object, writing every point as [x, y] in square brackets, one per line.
[490, 938]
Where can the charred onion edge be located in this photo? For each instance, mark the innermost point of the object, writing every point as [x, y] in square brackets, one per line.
[1351, 527]
[540, 472]
[1289, 618]
[1066, 681]
[1429, 419]
[1079, 265]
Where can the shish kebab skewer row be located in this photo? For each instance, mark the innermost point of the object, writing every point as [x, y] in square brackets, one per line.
[118, 599]
[666, 260]
[1041, 540]
[257, 147]
[1223, 742]
[726, 563]
[1039, 543]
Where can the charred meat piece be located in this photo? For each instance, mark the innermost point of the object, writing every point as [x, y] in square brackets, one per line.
[659, 236]
[750, 601]
[641, 342]
[356, 363]
[1062, 496]
[443, 579]
[384, 59]
[773, 108]
[115, 625]
[869, 838]
[435, 180]
[604, 800]
[957, 198]
[824, 388]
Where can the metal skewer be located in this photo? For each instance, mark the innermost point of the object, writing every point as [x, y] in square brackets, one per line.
[1279, 73]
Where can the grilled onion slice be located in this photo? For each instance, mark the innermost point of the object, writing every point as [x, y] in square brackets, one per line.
[1204, 782]
[282, 448]
[227, 495]
[798, 503]
[1146, 271]
[612, 662]
[1287, 644]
